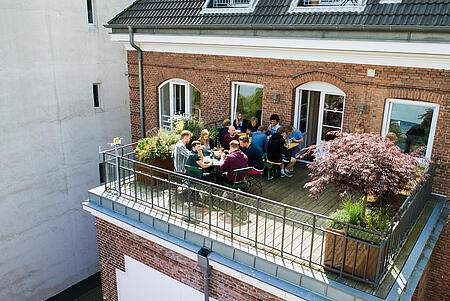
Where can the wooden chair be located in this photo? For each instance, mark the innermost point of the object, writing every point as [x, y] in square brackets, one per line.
[272, 167]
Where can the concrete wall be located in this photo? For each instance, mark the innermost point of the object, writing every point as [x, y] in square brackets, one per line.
[50, 133]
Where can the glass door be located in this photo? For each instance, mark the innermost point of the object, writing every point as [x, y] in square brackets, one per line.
[332, 114]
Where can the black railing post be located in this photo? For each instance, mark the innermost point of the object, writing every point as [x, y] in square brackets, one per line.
[345, 251]
[282, 232]
[312, 240]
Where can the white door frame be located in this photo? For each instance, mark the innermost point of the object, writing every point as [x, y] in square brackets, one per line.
[234, 98]
[323, 88]
[388, 112]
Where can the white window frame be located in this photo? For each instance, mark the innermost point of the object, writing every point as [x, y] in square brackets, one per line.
[323, 88]
[294, 8]
[234, 97]
[388, 112]
[229, 10]
[187, 100]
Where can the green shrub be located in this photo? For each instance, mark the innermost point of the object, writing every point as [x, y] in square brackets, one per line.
[159, 146]
[351, 212]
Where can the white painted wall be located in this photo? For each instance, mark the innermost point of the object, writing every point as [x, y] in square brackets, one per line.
[50, 133]
[141, 282]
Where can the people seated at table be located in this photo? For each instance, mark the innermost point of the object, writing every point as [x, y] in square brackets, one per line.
[259, 139]
[240, 123]
[195, 159]
[230, 137]
[236, 159]
[207, 143]
[274, 125]
[254, 155]
[224, 130]
[278, 153]
[180, 153]
[252, 126]
[295, 135]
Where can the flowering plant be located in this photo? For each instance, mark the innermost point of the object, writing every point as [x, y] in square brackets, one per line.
[159, 146]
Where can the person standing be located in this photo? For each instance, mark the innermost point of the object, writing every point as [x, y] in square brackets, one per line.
[180, 153]
[277, 152]
[230, 137]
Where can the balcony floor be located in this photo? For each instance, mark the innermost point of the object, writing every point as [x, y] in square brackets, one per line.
[290, 191]
[300, 239]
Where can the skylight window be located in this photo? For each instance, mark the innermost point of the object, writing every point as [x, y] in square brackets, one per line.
[230, 3]
[229, 6]
[327, 5]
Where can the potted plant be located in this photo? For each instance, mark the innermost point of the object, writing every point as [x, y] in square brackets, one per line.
[156, 151]
[359, 165]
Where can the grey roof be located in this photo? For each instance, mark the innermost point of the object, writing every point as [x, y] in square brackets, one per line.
[431, 14]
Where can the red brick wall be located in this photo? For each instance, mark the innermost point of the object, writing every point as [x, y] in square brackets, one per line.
[435, 281]
[115, 242]
[213, 77]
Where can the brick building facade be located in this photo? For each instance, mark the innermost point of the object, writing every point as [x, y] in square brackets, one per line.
[213, 77]
[114, 243]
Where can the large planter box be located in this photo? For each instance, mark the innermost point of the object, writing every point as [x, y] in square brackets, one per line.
[165, 164]
[366, 255]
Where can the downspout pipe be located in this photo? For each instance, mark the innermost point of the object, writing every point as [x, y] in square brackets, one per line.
[141, 80]
[203, 264]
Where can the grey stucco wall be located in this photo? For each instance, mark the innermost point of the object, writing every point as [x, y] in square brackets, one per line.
[50, 133]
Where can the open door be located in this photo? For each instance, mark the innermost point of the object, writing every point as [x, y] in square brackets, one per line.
[319, 109]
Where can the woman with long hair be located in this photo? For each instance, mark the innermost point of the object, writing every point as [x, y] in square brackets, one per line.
[207, 143]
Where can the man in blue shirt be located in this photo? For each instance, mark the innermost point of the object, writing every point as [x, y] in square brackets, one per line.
[295, 136]
[259, 139]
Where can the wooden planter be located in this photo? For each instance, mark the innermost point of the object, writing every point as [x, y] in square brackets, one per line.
[165, 164]
[366, 255]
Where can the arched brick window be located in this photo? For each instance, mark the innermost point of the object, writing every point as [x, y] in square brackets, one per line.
[177, 97]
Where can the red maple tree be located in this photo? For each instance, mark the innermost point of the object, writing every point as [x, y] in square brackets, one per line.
[360, 165]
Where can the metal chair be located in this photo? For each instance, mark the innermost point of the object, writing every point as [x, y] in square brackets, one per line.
[238, 184]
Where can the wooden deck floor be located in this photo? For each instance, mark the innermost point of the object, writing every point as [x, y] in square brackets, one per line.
[290, 191]
[264, 226]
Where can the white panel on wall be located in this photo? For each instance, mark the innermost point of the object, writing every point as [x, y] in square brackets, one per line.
[141, 282]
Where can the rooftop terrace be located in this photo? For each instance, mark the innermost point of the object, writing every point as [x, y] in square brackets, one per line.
[281, 224]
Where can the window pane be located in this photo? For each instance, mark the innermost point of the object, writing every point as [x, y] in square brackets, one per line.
[303, 126]
[179, 97]
[195, 102]
[249, 101]
[411, 124]
[334, 102]
[165, 105]
[95, 95]
[90, 12]
[332, 118]
[325, 130]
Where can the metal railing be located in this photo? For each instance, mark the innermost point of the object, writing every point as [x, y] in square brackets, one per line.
[260, 222]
